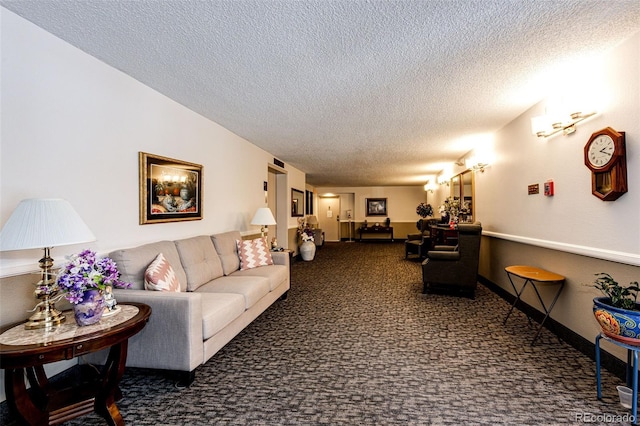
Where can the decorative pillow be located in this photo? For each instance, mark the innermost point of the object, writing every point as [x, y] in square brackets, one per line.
[254, 253]
[160, 276]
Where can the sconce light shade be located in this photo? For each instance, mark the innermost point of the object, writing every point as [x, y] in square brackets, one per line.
[40, 223]
[475, 164]
[263, 216]
[544, 126]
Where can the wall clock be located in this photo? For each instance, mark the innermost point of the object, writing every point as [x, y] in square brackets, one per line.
[605, 155]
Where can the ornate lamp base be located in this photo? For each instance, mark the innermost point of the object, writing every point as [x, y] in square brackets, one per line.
[46, 317]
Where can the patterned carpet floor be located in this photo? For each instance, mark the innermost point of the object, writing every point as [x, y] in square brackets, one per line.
[356, 343]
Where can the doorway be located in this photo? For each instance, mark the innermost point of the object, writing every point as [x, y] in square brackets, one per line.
[329, 217]
[276, 200]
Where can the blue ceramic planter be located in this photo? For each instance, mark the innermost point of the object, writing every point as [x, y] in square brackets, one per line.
[617, 323]
[90, 310]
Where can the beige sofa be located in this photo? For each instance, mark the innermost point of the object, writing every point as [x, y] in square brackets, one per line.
[217, 300]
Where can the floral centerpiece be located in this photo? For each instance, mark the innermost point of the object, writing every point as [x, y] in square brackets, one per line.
[84, 271]
[83, 279]
[424, 210]
[306, 236]
[451, 207]
[305, 233]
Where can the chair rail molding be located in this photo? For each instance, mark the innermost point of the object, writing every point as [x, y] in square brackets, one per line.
[598, 253]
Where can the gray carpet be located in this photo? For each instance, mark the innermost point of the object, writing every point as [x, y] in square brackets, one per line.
[356, 343]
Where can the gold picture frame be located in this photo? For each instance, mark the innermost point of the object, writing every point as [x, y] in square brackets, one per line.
[170, 189]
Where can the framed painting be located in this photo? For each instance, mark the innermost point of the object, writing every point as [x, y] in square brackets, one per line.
[170, 189]
[376, 206]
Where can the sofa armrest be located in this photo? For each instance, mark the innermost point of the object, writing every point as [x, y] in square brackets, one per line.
[280, 258]
[173, 337]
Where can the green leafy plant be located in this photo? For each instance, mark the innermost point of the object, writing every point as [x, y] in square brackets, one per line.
[621, 297]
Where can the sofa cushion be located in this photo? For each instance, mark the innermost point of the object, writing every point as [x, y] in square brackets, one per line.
[252, 288]
[200, 261]
[227, 249]
[254, 253]
[218, 310]
[276, 274]
[160, 276]
[133, 262]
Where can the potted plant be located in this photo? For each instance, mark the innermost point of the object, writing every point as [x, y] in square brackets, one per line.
[83, 280]
[423, 210]
[617, 312]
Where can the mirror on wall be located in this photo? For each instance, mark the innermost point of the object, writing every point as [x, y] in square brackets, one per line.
[462, 189]
[297, 203]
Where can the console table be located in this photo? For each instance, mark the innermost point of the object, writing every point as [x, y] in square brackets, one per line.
[376, 230]
[79, 390]
[532, 275]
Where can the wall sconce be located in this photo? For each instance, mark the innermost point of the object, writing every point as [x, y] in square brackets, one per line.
[544, 126]
[475, 164]
[428, 187]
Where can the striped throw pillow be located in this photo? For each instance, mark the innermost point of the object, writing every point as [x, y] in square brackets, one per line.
[254, 253]
[160, 276]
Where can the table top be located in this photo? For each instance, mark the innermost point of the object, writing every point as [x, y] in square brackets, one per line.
[20, 347]
[533, 273]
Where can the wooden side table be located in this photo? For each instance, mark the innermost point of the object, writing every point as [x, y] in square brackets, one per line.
[376, 230]
[533, 275]
[79, 390]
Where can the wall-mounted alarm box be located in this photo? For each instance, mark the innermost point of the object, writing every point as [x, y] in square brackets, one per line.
[548, 188]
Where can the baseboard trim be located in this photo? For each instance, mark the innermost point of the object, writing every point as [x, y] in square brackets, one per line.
[608, 361]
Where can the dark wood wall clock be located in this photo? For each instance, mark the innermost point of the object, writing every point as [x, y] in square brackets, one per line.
[606, 156]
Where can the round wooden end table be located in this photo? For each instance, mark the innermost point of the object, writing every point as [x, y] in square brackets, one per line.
[80, 389]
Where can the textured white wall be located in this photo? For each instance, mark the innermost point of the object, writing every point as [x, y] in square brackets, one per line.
[572, 233]
[573, 219]
[72, 128]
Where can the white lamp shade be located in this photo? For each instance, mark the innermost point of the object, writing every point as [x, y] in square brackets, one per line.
[312, 220]
[263, 216]
[41, 223]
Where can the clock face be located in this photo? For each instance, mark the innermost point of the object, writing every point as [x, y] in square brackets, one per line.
[601, 151]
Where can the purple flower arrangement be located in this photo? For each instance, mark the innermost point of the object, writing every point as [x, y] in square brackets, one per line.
[84, 271]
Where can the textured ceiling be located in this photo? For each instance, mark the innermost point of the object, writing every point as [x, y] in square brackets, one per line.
[352, 92]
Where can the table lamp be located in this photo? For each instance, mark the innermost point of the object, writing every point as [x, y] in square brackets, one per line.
[312, 221]
[264, 218]
[44, 223]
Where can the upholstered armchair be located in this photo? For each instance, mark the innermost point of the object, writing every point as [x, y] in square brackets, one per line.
[318, 237]
[419, 243]
[454, 269]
